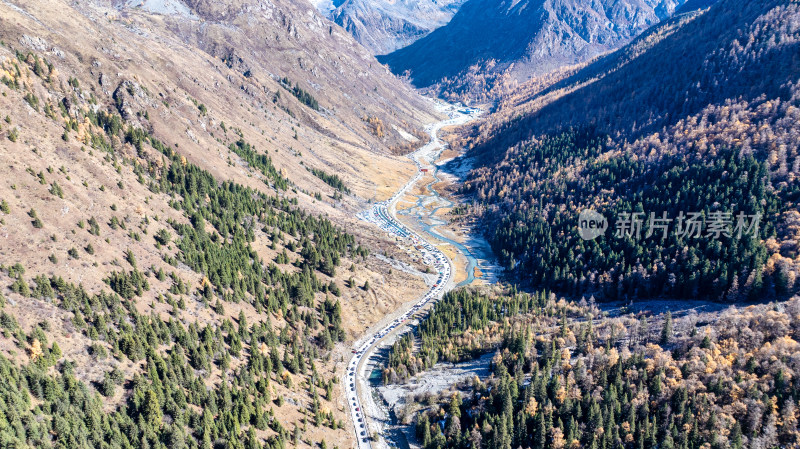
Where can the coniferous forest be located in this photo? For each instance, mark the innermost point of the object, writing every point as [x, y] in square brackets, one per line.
[216, 242]
[539, 242]
[565, 374]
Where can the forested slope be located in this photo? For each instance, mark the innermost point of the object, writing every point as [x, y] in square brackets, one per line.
[191, 328]
[699, 115]
[565, 375]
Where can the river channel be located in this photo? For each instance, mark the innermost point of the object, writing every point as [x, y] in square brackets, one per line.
[420, 209]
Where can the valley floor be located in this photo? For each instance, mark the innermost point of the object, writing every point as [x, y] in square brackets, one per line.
[418, 233]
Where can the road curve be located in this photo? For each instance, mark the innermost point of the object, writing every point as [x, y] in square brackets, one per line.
[383, 215]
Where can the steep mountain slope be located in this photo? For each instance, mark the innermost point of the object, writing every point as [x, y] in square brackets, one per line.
[385, 26]
[530, 37]
[698, 115]
[181, 263]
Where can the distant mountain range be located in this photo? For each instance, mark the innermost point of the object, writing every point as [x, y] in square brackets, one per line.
[385, 26]
[525, 38]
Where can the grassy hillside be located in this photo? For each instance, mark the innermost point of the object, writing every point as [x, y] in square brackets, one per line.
[175, 269]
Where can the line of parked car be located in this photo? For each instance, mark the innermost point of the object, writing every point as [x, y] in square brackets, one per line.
[380, 214]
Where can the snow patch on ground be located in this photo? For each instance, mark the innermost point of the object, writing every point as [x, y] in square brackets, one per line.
[440, 378]
[325, 7]
[429, 278]
[165, 7]
[404, 134]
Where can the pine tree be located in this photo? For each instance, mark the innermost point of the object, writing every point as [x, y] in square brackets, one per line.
[540, 432]
[252, 439]
[151, 409]
[736, 436]
[666, 331]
